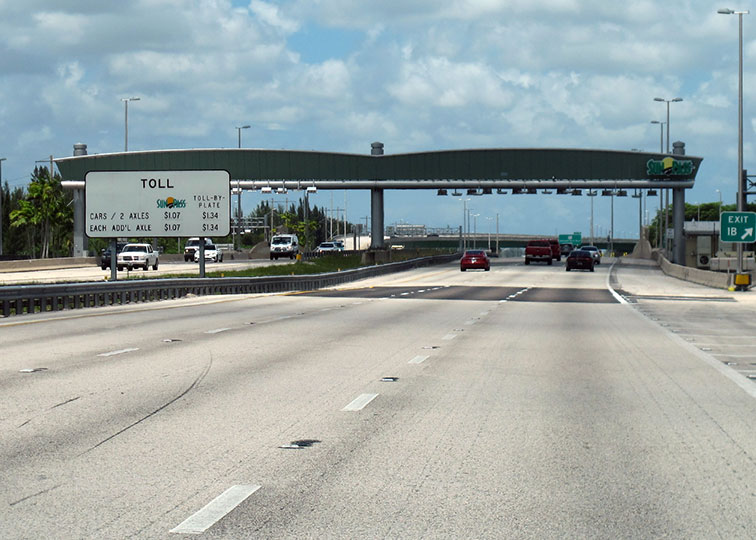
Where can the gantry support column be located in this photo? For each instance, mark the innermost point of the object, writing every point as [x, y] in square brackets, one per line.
[376, 207]
[678, 213]
[678, 224]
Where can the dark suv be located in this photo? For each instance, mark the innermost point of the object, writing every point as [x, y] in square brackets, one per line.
[566, 249]
[105, 254]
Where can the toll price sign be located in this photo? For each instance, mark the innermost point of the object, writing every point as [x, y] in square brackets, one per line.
[738, 227]
[157, 203]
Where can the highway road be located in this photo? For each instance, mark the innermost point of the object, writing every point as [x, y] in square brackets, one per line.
[95, 273]
[524, 402]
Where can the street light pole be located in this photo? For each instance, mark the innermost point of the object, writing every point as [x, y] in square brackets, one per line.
[740, 120]
[1, 204]
[611, 232]
[238, 129]
[237, 231]
[592, 194]
[668, 101]
[662, 210]
[465, 229]
[475, 230]
[126, 121]
[661, 134]
[666, 191]
[720, 203]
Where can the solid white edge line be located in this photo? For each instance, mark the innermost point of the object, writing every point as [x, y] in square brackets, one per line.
[743, 382]
[215, 510]
[121, 351]
[360, 402]
[611, 290]
[418, 360]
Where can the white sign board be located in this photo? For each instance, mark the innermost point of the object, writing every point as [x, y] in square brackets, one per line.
[157, 203]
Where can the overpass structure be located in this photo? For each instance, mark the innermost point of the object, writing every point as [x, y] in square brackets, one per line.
[483, 170]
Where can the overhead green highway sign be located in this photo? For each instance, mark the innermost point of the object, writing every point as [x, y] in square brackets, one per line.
[738, 227]
[575, 238]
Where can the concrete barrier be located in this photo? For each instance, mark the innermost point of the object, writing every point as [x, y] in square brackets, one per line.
[717, 280]
[29, 265]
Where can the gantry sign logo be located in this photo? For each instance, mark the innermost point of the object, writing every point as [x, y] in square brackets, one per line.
[669, 167]
[170, 202]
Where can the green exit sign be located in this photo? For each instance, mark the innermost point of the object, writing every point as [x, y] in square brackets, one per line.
[575, 238]
[739, 227]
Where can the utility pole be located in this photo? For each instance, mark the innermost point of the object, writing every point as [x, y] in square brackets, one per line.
[1, 204]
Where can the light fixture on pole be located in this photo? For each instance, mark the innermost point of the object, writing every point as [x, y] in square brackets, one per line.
[237, 230]
[740, 120]
[1, 204]
[668, 101]
[126, 121]
[238, 129]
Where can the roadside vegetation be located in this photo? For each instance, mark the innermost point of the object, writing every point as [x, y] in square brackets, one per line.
[318, 265]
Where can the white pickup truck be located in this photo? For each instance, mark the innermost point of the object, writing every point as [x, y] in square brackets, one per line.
[137, 256]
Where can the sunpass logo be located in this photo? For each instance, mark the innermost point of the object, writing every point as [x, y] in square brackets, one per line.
[669, 167]
[170, 202]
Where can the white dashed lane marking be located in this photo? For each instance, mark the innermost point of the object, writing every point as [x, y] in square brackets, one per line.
[121, 351]
[418, 360]
[215, 510]
[360, 402]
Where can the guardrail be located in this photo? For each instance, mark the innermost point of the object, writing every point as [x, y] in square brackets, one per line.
[25, 299]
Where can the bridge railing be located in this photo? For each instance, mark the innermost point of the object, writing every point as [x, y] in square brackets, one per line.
[27, 299]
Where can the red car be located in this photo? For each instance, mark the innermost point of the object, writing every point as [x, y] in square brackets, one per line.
[579, 258]
[475, 258]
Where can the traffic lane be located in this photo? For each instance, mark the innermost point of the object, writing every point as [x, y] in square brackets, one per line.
[617, 437]
[231, 410]
[478, 292]
[718, 323]
[115, 335]
[731, 341]
[510, 273]
[285, 370]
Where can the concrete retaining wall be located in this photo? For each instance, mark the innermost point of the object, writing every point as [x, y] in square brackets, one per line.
[717, 280]
[29, 265]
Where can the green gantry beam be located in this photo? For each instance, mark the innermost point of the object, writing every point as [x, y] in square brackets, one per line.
[502, 166]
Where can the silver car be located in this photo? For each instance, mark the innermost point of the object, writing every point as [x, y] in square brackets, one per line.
[595, 253]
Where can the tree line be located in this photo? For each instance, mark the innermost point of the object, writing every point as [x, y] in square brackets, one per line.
[37, 221]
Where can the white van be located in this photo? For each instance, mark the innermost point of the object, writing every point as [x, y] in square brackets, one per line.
[284, 245]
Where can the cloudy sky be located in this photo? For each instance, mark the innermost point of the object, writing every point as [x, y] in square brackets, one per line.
[417, 75]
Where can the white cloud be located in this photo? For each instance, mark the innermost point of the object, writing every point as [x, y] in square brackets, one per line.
[271, 15]
[418, 75]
